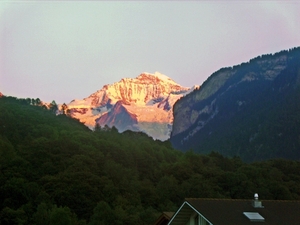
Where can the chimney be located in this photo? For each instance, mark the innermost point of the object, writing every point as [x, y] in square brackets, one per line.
[256, 203]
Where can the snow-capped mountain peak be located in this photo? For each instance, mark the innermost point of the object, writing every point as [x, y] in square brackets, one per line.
[160, 76]
[144, 103]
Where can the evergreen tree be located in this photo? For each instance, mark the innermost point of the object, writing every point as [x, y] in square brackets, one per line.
[53, 107]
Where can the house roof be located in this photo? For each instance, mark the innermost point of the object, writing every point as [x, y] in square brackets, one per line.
[229, 211]
[164, 218]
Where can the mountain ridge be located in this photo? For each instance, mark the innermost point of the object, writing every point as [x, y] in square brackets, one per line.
[238, 103]
[145, 103]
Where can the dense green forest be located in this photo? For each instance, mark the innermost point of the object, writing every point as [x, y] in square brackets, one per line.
[54, 170]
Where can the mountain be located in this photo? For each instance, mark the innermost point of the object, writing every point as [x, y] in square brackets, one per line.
[144, 103]
[250, 110]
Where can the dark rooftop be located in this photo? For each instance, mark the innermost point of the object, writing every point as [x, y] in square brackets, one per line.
[228, 211]
[164, 218]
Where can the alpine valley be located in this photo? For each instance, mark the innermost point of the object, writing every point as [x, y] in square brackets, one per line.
[249, 110]
[142, 104]
[55, 170]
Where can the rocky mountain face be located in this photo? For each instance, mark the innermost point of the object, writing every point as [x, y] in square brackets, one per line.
[141, 104]
[251, 110]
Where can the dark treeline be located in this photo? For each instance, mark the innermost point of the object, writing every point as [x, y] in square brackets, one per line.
[54, 170]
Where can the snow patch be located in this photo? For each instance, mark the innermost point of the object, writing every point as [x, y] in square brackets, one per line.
[162, 77]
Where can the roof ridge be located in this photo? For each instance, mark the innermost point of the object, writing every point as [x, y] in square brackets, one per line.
[218, 199]
[228, 199]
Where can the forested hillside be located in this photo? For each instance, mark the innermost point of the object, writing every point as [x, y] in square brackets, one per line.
[250, 110]
[54, 170]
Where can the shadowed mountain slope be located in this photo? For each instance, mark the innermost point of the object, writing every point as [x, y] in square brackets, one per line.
[251, 110]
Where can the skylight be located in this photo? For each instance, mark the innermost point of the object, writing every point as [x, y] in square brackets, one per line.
[254, 216]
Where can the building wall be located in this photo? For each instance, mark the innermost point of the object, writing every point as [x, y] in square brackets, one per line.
[197, 219]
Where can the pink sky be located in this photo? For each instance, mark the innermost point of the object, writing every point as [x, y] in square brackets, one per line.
[67, 50]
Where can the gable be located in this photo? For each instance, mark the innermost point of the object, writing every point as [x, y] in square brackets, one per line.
[185, 213]
[164, 218]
